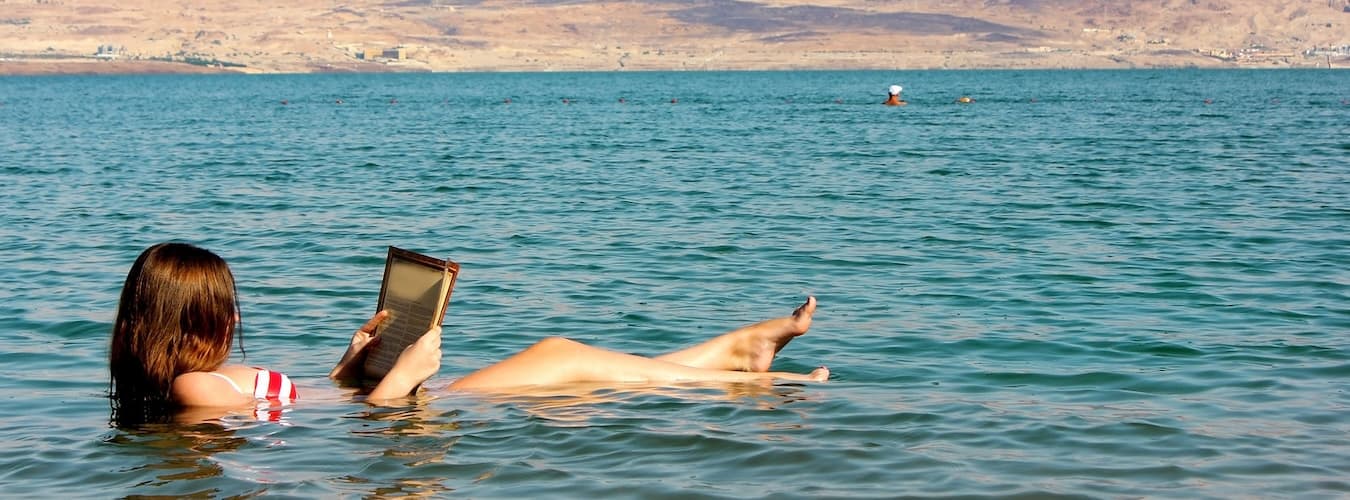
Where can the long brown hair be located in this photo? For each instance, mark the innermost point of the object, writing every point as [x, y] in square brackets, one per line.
[176, 315]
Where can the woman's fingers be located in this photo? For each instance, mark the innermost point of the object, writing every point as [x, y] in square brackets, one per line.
[374, 322]
[431, 339]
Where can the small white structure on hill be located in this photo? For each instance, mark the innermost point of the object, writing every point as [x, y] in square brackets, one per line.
[108, 52]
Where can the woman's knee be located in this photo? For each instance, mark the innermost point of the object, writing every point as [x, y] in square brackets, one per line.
[554, 344]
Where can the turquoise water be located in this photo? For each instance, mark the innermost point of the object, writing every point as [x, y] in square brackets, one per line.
[1086, 284]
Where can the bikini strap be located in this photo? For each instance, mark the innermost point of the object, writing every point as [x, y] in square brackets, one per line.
[229, 381]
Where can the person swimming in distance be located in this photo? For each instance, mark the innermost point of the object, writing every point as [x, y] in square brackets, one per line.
[965, 99]
[893, 99]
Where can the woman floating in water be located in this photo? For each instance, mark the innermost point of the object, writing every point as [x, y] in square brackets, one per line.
[894, 98]
[176, 322]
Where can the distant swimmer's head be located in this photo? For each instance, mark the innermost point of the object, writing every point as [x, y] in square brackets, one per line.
[894, 98]
[965, 99]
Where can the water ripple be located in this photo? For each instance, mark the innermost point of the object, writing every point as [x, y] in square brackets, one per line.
[1087, 284]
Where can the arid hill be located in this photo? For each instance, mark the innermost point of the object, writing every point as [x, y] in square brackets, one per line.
[84, 36]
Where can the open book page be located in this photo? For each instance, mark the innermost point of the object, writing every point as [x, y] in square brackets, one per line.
[416, 291]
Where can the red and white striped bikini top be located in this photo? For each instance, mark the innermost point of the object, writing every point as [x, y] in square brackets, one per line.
[269, 386]
[273, 387]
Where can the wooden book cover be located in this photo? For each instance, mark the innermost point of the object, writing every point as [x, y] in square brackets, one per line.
[416, 291]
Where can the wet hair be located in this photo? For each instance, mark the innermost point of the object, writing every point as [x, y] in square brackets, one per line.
[176, 315]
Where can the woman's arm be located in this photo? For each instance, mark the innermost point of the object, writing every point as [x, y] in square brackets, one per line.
[417, 363]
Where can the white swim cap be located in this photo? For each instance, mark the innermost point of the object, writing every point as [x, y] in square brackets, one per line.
[895, 89]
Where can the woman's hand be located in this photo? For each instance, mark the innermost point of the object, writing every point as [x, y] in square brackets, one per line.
[417, 363]
[348, 368]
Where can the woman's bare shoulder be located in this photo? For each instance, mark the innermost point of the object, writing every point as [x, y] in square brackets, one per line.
[208, 389]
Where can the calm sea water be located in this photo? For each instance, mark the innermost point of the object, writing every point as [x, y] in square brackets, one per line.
[1085, 284]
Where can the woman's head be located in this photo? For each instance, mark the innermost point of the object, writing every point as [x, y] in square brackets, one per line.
[176, 315]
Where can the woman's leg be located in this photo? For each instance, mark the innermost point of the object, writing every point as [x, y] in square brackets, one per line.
[741, 355]
[560, 361]
[748, 349]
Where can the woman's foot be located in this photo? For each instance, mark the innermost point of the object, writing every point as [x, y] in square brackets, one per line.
[759, 344]
[821, 374]
[749, 349]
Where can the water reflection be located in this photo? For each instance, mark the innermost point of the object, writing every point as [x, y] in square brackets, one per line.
[415, 419]
[442, 442]
[417, 437]
[578, 403]
[175, 457]
[402, 487]
[265, 412]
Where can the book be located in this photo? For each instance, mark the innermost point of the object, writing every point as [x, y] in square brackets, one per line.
[416, 291]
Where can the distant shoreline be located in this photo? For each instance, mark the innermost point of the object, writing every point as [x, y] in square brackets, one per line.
[31, 67]
[89, 66]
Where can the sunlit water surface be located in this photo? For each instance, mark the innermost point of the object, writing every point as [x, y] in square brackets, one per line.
[1083, 284]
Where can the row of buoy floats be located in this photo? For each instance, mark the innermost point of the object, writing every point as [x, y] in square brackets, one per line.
[962, 99]
[892, 99]
[287, 102]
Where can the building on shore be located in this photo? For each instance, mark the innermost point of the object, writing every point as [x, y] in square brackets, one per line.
[108, 52]
[398, 53]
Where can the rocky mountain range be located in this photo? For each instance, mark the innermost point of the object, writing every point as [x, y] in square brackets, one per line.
[83, 36]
